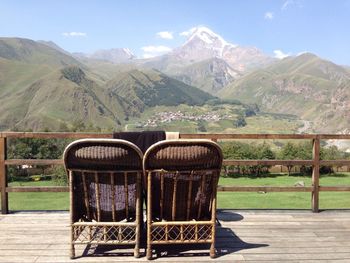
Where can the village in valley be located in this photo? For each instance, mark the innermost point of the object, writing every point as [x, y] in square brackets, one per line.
[169, 116]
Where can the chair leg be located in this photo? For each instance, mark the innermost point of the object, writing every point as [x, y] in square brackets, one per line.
[212, 250]
[72, 251]
[149, 252]
[137, 251]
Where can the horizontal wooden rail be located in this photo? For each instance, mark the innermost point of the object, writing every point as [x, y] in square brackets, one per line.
[221, 188]
[225, 162]
[335, 162]
[34, 161]
[55, 135]
[337, 188]
[264, 189]
[212, 136]
[315, 162]
[23, 189]
[268, 162]
[221, 136]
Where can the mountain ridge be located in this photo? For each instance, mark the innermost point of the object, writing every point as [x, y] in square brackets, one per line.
[299, 85]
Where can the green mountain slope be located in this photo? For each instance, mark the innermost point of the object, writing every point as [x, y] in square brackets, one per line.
[307, 86]
[148, 88]
[63, 96]
[29, 51]
[14, 75]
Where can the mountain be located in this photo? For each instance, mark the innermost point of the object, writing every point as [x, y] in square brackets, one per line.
[203, 44]
[307, 86]
[148, 88]
[32, 52]
[63, 96]
[54, 46]
[209, 75]
[207, 50]
[115, 55]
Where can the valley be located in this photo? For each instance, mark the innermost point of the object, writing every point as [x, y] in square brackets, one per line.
[205, 85]
[223, 118]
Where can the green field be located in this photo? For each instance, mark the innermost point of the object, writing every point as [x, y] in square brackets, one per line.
[229, 200]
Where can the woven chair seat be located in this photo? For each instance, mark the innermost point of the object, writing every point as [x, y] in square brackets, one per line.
[101, 155]
[185, 156]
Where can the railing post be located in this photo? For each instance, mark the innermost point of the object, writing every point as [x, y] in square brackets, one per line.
[3, 176]
[315, 174]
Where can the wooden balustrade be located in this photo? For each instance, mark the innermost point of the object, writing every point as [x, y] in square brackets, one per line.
[315, 162]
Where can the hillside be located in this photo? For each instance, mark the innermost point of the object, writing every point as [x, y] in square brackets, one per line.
[210, 75]
[62, 97]
[148, 88]
[43, 86]
[32, 52]
[307, 86]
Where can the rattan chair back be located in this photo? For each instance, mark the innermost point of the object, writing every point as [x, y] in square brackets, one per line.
[182, 177]
[105, 185]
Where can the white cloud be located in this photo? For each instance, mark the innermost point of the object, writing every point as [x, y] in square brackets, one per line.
[148, 55]
[280, 54]
[188, 32]
[289, 3]
[74, 34]
[269, 15]
[153, 51]
[165, 35]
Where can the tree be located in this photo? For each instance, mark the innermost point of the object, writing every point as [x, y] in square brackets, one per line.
[292, 151]
[330, 153]
[264, 152]
[239, 150]
[240, 122]
[201, 126]
[289, 152]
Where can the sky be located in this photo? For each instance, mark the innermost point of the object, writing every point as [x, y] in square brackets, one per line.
[148, 28]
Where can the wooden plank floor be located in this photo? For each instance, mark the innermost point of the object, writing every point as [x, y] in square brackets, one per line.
[293, 236]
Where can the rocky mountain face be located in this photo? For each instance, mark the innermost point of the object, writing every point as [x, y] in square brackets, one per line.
[307, 86]
[209, 75]
[220, 61]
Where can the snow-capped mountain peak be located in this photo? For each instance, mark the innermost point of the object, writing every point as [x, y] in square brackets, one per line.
[203, 37]
[206, 35]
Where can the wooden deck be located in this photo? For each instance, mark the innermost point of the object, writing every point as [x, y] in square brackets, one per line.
[293, 236]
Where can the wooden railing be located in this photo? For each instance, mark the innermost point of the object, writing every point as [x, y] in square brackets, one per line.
[315, 162]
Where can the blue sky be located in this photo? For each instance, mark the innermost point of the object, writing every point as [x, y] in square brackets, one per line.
[290, 26]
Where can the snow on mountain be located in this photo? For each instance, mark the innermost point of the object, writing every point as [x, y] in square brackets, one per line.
[212, 40]
[203, 44]
[114, 55]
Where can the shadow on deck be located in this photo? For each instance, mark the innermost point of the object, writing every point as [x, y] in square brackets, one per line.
[241, 236]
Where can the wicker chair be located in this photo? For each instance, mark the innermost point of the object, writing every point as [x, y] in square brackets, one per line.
[105, 192]
[182, 177]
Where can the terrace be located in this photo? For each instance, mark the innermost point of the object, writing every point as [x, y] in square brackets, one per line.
[243, 235]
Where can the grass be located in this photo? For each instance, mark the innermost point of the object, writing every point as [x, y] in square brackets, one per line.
[227, 200]
[38, 201]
